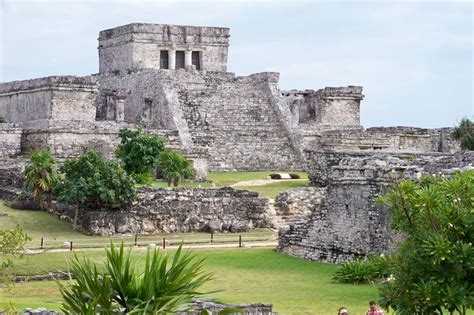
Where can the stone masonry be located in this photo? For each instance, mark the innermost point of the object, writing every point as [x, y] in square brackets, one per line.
[178, 210]
[347, 224]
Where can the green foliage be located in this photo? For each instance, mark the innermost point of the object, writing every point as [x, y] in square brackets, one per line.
[433, 268]
[465, 134]
[139, 152]
[358, 271]
[40, 175]
[94, 182]
[174, 167]
[162, 286]
[11, 242]
[2, 120]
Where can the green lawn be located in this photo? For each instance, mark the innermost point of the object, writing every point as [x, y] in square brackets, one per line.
[230, 178]
[273, 189]
[292, 285]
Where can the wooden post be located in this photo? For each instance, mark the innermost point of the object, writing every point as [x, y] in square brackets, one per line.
[164, 243]
[70, 246]
[41, 246]
[240, 240]
[212, 237]
[136, 237]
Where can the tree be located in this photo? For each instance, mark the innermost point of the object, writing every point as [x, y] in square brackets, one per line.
[139, 152]
[40, 175]
[464, 133]
[174, 167]
[92, 182]
[433, 269]
[163, 286]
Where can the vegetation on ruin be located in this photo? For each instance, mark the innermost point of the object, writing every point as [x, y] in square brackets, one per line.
[2, 120]
[174, 167]
[91, 182]
[139, 152]
[433, 269]
[40, 175]
[374, 268]
[162, 285]
[464, 133]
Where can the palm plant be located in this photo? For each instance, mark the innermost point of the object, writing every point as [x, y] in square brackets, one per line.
[174, 167]
[163, 286]
[40, 175]
[464, 133]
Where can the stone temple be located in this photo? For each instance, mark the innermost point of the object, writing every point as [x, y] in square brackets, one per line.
[172, 80]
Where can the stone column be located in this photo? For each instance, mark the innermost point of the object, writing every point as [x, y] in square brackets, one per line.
[172, 58]
[120, 108]
[188, 61]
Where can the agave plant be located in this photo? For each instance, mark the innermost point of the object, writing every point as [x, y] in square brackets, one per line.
[163, 286]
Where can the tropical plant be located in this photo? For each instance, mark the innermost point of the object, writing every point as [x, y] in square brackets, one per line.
[174, 167]
[433, 269]
[139, 152]
[12, 241]
[92, 182]
[375, 267]
[464, 133]
[163, 286]
[40, 176]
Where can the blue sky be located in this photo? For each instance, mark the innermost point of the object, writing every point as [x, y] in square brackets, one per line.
[414, 59]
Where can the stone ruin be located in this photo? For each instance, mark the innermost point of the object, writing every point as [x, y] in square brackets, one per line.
[345, 223]
[173, 81]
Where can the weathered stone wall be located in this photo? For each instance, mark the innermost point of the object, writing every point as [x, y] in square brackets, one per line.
[179, 210]
[240, 120]
[137, 46]
[298, 201]
[57, 97]
[347, 224]
[10, 140]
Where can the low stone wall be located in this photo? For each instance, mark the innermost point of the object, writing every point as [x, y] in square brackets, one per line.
[299, 201]
[10, 140]
[173, 210]
[347, 224]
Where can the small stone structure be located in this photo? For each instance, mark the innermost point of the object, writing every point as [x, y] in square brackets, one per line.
[346, 223]
[163, 210]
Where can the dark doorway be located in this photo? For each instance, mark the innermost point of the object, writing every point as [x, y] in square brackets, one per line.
[164, 59]
[196, 61]
[180, 59]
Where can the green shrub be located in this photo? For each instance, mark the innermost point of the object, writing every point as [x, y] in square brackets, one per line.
[163, 286]
[275, 176]
[139, 152]
[294, 176]
[465, 134]
[2, 120]
[356, 271]
[92, 182]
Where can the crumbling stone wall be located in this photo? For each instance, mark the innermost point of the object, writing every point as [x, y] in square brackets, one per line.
[179, 210]
[10, 140]
[56, 97]
[348, 224]
[299, 201]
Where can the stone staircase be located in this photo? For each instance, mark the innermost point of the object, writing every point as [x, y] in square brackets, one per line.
[283, 221]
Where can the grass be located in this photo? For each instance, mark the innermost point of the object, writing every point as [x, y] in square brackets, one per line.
[230, 178]
[273, 189]
[292, 285]
[38, 224]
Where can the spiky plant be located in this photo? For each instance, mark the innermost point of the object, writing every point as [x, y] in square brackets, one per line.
[163, 286]
[464, 133]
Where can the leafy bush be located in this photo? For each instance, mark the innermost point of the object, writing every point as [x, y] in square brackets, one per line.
[92, 182]
[433, 268]
[294, 176]
[40, 177]
[139, 152]
[163, 286]
[2, 120]
[11, 241]
[174, 167]
[375, 267]
[275, 176]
